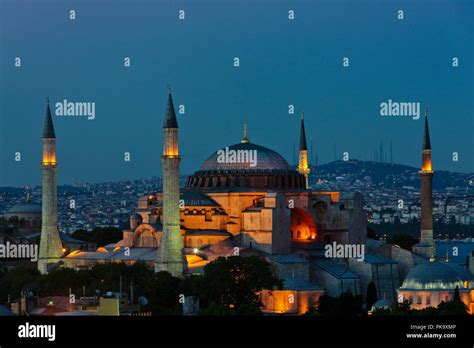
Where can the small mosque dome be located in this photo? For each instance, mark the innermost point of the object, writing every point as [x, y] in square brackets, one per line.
[437, 276]
[25, 208]
[381, 304]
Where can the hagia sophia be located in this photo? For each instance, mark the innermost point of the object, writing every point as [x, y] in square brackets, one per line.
[265, 209]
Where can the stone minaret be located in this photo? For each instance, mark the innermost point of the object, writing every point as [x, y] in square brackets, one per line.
[51, 249]
[303, 166]
[426, 247]
[170, 256]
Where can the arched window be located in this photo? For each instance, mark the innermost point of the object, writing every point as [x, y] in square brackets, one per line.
[418, 300]
[298, 234]
[199, 243]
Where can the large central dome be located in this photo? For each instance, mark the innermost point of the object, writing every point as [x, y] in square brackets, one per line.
[246, 165]
[266, 159]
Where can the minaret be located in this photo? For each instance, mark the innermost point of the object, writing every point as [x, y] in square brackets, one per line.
[170, 256]
[426, 247]
[303, 167]
[245, 140]
[51, 249]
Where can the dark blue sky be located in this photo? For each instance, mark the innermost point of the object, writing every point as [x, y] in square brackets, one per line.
[282, 62]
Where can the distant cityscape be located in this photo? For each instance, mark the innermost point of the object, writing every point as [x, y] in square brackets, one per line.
[391, 192]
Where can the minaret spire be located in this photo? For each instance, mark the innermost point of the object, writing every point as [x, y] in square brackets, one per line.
[303, 166]
[426, 133]
[426, 247]
[245, 140]
[48, 129]
[51, 249]
[170, 255]
[303, 145]
[170, 116]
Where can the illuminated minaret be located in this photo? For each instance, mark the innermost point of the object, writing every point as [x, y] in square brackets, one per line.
[51, 249]
[426, 247]
[303, 166]
[170, 256]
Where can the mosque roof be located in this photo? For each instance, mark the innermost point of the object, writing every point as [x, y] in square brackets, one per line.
[377, 259]
[298, 283]
[284, 258]
[382, 303]
[25, 208]
[64, 237]
[195, 233]
[198, 199]
[144, 254]
[436, 276]
[266, 160]
[336, 269]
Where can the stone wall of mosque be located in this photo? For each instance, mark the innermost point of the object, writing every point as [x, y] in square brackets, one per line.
[289, 301]
[334, 286]
[384, 276]
[202, 218]
[403, 257]
[291, 269]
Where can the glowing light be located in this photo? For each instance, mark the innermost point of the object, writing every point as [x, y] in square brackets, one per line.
[426, 166]
[49, 159]
[195, 250]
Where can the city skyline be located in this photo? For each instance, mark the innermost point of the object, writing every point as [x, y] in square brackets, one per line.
[219, 98]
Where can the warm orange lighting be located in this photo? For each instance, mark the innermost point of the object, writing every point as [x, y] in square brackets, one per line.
[49, 159]
[426, 161]
[334, 195]
[171, 153]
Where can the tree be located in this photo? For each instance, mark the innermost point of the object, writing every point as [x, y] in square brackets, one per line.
[347, 305]
[82, 235]
[371, 296]
[164, 295]
[234, 282]
[106, 235]
[454, 307]
[372, 234]
[456, 297]
[403, 240]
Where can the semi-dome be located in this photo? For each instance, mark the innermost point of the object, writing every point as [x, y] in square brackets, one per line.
[246, 165]
[436, 276]
[266, 159]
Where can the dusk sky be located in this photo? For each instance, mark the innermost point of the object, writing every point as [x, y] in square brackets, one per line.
[282, 62]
